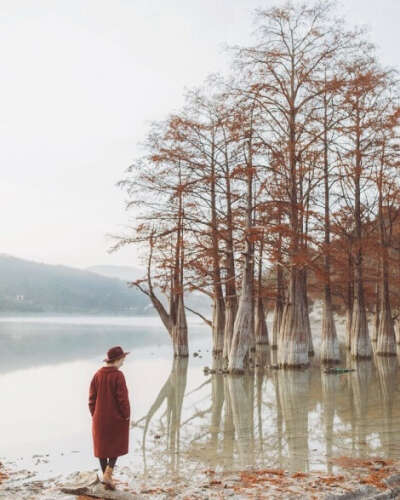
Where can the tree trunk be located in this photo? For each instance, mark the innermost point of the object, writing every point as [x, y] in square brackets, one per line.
[307, 315]
[330, 344]
[349, 301]
[377, 313]
[397, 330]
[230, 315]
[278, 309]
[360, 346]
[386, 345]
[179, 331]
[242, 331]
[261, 330]
[231, 302]
[218, 325]
[294, 340]
[260, 324]
[219, 304]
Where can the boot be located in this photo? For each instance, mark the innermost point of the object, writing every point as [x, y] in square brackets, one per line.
[107, 478]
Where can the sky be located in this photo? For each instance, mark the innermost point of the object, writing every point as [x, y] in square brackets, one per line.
[80, 82]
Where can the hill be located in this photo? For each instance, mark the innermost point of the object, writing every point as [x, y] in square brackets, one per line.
[27, 286]
[124, 273]
[195, 300]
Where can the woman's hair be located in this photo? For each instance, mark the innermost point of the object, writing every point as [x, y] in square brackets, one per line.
[114, 360]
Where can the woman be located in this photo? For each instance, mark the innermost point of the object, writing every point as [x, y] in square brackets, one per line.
[110, 409]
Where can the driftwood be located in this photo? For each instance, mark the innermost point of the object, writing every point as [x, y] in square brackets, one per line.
[88, 483]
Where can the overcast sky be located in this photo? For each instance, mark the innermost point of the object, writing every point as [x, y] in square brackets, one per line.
[80, 81]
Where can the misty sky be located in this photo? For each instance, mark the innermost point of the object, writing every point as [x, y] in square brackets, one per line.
[80, 81]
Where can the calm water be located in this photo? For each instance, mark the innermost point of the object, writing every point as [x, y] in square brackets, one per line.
[184, 421]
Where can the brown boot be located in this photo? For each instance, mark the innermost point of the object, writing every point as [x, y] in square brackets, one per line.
[107, 478]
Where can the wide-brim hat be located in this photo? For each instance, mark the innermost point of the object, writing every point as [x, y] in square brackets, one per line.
[114, 353]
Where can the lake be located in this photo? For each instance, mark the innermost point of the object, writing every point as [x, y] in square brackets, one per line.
[184, 421]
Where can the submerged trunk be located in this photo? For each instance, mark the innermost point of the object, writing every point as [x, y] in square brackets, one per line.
[330, 344]
[219, 304]
[360, 346]
[386, 345]
[294, 340]
[231, 302]
[242, 332]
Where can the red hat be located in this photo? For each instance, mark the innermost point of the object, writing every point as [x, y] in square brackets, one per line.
[115, 353]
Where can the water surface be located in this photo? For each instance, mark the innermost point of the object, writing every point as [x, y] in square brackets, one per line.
[184, 421]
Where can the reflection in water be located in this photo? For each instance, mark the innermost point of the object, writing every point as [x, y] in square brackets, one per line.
[294, 392]
[387, 367]
[330, 386]
[293, 419]
[33, 344]
[172, 392]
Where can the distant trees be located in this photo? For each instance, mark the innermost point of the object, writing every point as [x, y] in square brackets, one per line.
[287, 172]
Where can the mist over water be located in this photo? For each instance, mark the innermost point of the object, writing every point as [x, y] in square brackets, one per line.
[185, 421]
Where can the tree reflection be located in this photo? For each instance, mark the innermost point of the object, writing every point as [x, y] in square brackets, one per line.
[388, 376]
[294, 392]
[353, 414]
[173, 392]
[360, 381]
[241, 390]
[330, 385]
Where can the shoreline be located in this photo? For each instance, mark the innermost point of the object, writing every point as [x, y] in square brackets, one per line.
[356, 478]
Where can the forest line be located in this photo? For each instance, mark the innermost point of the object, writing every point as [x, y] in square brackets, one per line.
[275, 187]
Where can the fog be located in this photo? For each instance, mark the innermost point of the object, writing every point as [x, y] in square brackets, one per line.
[80, 83]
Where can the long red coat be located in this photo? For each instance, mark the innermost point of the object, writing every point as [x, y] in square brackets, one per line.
[110, 409]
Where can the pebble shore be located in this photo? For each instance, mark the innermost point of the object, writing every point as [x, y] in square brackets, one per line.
[371, 478]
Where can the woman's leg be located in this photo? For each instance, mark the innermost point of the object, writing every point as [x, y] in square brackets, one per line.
[111, 461]
[103, 463]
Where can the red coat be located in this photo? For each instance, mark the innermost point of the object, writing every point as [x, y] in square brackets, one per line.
[110, 409]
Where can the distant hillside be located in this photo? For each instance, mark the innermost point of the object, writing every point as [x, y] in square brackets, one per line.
[124, 273]
[27, 286]
[196, 301]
